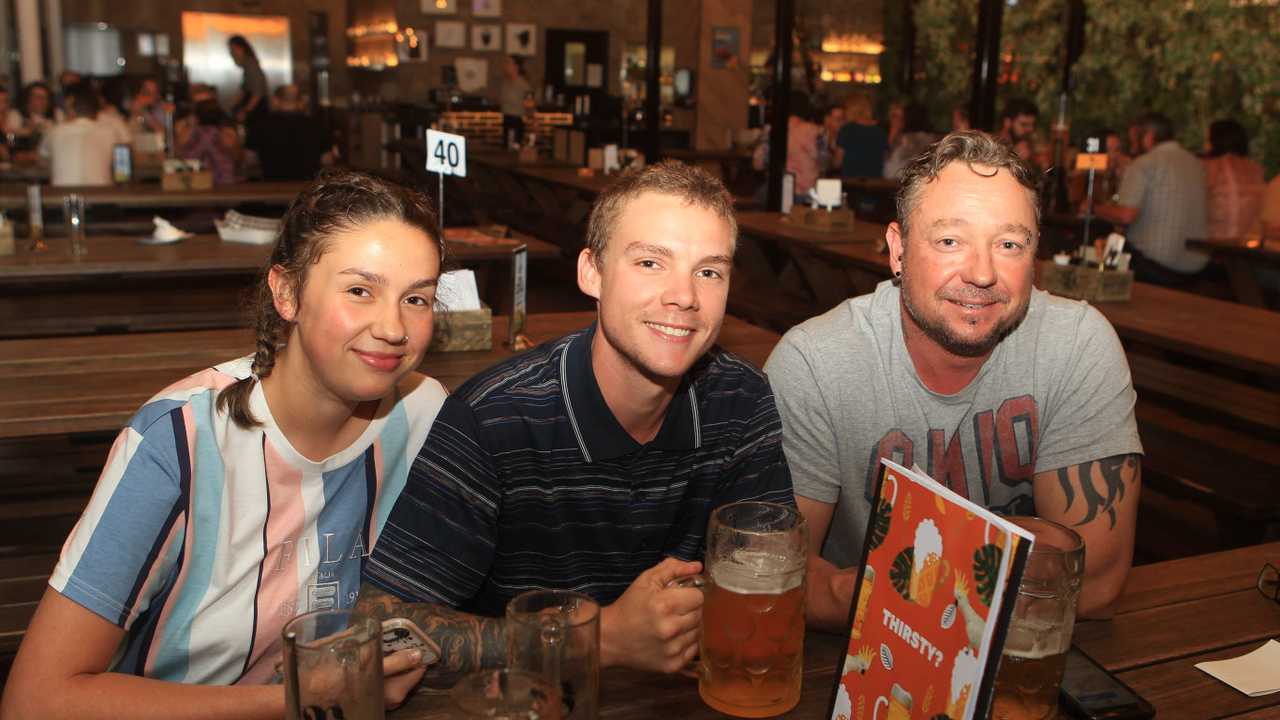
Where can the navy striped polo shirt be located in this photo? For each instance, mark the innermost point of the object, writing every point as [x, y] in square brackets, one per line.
[527, 480]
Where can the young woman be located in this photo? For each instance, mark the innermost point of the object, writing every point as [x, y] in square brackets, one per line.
[251, 492]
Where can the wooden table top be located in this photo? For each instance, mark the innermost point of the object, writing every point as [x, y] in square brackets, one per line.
[123, 255]
[1170, 616]
[778, 227]
[144, 195]
[590, 185]
[1254, 248]
[94, 383]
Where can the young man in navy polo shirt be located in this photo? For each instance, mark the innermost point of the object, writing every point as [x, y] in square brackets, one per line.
[592, 462]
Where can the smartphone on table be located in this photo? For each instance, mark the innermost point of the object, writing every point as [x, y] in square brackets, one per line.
[1089, 692]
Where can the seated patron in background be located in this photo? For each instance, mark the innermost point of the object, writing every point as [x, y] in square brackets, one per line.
[829, 155]
[207, 135]
[293, 143]
[34, 115]
[1014, 398]
[1234, 182]
[147, 109]
[1162, 200]
[593, 462]
[1270, 220]
[79, 148]
[803, 150]
[862, 143]
[251, 491]
[1018, 130]
[915, 138]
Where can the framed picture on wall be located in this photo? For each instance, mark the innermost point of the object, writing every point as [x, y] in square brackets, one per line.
[486, 8]
[486, 37]
[724, 47]
[451, 34]
[438, 7]
[411, 45]
[522, 38]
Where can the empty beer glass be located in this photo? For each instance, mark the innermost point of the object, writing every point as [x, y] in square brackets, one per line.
[333, 666]
[556, 634]
[505, 694]
[752, 645]
[1035, 649]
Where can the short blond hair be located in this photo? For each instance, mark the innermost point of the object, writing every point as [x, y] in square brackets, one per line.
[670, 177]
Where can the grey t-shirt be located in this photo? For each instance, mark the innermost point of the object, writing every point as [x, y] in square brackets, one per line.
[1056, 392]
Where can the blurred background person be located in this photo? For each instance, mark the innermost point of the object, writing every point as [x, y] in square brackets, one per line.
[895, 120]
[202, 135]
[78, 149]
[802, 145]
[35, 113]
[863, 144]
[147, 108]
[513, 95]
[251, 102]
[1235, 183]
[829, 155]
[292, 144]
[1018, 130]
[915, 138]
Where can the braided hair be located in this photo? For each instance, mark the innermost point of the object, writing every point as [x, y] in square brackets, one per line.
[337, 202]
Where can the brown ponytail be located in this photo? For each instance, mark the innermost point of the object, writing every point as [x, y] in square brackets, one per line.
[337, 202]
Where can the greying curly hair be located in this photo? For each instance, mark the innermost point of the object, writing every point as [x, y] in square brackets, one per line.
[973, 148]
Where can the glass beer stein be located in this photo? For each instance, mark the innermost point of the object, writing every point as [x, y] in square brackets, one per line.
[752, 644]
[333, 666]
[1035, 650]
[556, 635]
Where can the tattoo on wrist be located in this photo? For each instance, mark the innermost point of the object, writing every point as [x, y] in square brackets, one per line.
[1115, 473]
[465, 642]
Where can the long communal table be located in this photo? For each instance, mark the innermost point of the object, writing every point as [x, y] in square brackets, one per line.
[1242, 258]
[122, 285]
[94, 383]
[150, 195]
[1171, 615]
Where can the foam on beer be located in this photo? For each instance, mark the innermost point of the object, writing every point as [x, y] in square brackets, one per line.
[964, 670]
[928, 542]
[1032, 640]
[754, 572]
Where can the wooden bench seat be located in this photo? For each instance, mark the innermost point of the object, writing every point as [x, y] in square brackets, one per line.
[1234, 474]
[1258, 408]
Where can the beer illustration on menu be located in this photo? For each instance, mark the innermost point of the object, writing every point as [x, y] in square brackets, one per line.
[933, 600]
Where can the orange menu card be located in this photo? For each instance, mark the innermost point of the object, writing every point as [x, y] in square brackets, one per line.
[937, 585]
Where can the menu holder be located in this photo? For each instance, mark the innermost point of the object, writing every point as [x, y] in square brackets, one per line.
[186, 180]
[1086, 282]
[935, 591]
[460, 330]
[837, 220]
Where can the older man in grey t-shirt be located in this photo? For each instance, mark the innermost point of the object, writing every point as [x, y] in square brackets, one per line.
[1016, 399]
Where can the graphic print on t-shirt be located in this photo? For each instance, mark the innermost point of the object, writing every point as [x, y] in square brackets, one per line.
[997, 444]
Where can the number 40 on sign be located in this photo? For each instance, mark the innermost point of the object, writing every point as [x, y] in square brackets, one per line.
[446, 153]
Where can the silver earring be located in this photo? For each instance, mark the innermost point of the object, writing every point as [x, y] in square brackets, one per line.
[404, 339]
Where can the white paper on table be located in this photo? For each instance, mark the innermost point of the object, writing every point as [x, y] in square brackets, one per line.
[1254, 674]
[457, 291]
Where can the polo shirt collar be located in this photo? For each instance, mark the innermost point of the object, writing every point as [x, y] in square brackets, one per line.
[600, 435]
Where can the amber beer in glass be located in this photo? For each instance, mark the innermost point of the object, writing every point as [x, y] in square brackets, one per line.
[752, 646]
[1039, 637]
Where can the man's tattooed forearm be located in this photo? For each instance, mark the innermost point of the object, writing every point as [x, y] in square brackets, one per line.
[1114, 472]
[464, 642]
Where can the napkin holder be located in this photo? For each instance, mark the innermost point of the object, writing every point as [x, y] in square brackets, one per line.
[460, 330]
[1086, 282]
[836, 220]
[186, 180]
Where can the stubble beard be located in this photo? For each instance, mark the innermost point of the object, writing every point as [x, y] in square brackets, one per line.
[937, 330]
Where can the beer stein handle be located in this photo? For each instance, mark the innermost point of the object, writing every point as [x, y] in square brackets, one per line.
[699, 581]
[875, 709]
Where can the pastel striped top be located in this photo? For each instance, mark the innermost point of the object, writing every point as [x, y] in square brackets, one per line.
[202, 539]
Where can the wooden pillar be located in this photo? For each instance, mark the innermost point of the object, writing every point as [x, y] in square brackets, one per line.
[781, 112]
[30, 44]
[722, 92]
[652, 89]
[986, 65]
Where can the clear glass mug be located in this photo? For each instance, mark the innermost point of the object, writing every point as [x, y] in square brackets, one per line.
[506, 694]
[556, 634]
[752, 640]
[73, 213]
[333, 666]
[1035, 649]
